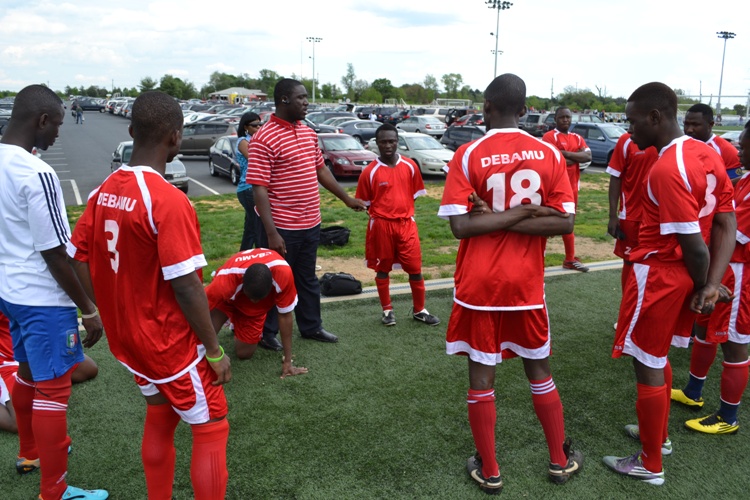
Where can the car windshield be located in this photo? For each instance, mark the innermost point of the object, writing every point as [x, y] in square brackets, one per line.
[423, 143]
[342, 144]
[613, 132]
[126, 152]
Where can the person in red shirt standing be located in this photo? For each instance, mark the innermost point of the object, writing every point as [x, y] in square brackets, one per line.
[389, 186]
[523, 181]
[671, 279]
[243, 290]
[699, 124]
[285, 166]
[628, 170]
[138, 246]
[575, 151]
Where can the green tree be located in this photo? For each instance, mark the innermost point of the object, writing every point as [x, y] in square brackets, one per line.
[740, 109]
[384, 87]
[431, 84]
[348, 80]
[147, 84]
[268, 80]
[370, 94]
[452, 82]
[330, 91]
[359, 88]
[415, 93]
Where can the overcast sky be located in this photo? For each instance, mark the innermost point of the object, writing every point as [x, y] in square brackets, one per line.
[616, 45]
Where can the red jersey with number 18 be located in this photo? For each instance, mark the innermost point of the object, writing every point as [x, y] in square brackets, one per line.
[504, 270]
[137, 233]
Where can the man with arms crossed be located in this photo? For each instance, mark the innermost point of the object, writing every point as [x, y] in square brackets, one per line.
[523, 181]
[137, 248]
[39, 292]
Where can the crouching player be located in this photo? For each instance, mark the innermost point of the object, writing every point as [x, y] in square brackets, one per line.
[244, 289]
[499, 310]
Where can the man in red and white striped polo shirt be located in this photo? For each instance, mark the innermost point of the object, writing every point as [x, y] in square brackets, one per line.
[285, 166]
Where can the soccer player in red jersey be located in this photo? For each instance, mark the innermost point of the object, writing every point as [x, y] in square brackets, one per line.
[138, 246]
[524, 182]
[244, 289]
[728, 325]
[628, 169]
[671, 279]
[389, 186]
[575, 151]
[699, 124]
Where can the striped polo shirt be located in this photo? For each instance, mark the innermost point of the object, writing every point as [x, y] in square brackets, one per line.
[285, 158]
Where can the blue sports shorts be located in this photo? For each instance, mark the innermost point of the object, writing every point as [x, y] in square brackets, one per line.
[44, 337]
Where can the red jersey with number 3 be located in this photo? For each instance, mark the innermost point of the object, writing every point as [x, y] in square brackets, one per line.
[137, 233]
[504, 270]
[631, 165]
[389, 192]
[686, 186]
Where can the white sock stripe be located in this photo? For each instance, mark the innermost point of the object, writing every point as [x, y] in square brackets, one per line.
[741, 363]
[704, 342]
[473, 398]
[24, 382]
[43, 404]
[543, 388]
[696, 376]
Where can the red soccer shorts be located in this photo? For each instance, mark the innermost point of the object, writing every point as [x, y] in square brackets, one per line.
[731, 321]
[651, 311]
[630, 229]
[488, 337]
[574, 175]
[392, 243]
[248, 329]
[191, 395]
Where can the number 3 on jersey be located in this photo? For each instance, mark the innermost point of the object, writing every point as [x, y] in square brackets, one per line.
[111, 228]
[524, 185]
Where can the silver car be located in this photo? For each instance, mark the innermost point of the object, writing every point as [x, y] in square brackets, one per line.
[429, 155]
[175, 174]
[424, 124]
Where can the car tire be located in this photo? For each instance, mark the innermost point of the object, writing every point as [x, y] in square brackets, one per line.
[359, 139]
[330, 168]
[184, 190]
[234, 175]
[417, 131]
[212, 169]
[609, 157]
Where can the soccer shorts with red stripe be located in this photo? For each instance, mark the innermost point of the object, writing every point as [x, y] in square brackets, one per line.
[393, 242]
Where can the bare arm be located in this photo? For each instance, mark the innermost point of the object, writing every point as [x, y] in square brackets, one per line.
[191, 297]
[615, 189]
[723, 235]
[326, 179]
[473, 224]
[275, 241]
[61, 270]
[242, 146]
[577, 156]
[286, 322]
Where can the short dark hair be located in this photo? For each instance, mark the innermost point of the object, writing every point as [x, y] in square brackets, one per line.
[283, 88]
[703, 109]
[655, 95]
[257, 282]
[386, 127]
[560, 109]
[155, 116]
[246, 118]
[507, 94]
[33, 101]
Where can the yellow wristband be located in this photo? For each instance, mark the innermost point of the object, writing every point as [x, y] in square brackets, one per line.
[92, 315]
[216, 360]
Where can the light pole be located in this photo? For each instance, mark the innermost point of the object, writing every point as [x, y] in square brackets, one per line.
[726, 35]
[496, 4]
[314, 40]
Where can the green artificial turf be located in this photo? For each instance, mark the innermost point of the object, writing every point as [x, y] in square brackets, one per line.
[382, 415]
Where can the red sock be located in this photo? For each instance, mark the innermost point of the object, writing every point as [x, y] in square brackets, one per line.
[482, 418]
[569, 242]
[417, 294]
[650, 410]
[702, 357]
[384, 292]
[23, 400]
[208, 466]
[668, 396]
[549, 411]
[734, 378]
[157, 450]
[48, 419]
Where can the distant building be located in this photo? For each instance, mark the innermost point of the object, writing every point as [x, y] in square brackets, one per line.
[238, 95]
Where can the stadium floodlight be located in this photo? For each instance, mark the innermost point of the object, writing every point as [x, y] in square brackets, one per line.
[496, 4]
[314, 40]
[726, 35]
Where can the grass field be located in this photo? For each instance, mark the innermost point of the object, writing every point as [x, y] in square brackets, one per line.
[382, 414]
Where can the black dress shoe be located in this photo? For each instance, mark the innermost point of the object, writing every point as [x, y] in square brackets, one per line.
[271, 343]
[321, 336]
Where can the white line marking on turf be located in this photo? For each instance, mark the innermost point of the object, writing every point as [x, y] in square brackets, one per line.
[76, 193]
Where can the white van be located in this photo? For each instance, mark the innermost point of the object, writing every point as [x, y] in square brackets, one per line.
[438, 113]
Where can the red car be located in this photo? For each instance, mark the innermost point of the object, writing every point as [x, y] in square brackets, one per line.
[472, 119]
[344, 155]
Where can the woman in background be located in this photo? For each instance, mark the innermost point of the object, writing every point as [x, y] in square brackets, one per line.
[249, 124]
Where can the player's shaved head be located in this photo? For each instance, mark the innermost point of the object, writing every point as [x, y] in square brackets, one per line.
[655, 95]
[156, 115]
[704, 109]
[257, 282]
[34, 101]
[506, 94]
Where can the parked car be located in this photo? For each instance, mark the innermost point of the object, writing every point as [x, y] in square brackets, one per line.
[4, 119]
[398, 116]
[733, 137]
[362, 130]
[470, 119]
[88, 104]
[458, 136]
[535, 123]
[337, 120]
[429, 155]
[601, 138]
[198, 137]
[175, 173]
[344, 155]
[383, 112]
[321, 116]
[456, 113]
[439, 113]
[425, 124]
[319, 128]
[222, 159]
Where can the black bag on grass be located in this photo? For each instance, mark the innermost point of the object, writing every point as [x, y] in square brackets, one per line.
[335, 284]
[334, 235]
